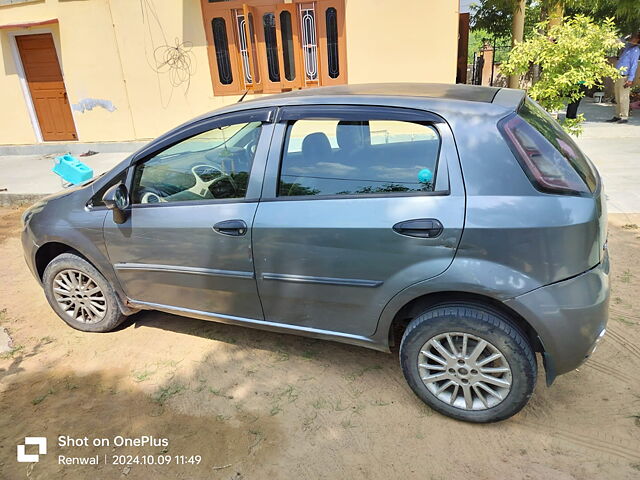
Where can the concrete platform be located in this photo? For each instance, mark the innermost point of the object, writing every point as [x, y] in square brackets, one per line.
[31, 174]
[615, 149]
[76, 148]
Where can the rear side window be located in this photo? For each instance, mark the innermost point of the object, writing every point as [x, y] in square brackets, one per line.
[339, 157]
[551, 151]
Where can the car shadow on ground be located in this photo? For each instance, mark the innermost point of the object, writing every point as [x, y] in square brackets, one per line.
[280, 344]
[61, 401]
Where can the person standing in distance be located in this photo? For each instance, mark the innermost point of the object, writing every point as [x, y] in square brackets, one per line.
[627, 65]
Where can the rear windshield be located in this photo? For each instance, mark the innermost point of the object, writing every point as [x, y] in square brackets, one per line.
[539, 119]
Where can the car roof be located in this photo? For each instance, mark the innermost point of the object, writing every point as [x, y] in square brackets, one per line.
[440, 97]
[469, 93]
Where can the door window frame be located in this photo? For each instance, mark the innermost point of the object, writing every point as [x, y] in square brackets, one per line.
[184, 132]
[289, 114]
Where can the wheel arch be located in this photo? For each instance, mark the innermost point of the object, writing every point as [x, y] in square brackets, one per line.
[50, 250]
[417, 305]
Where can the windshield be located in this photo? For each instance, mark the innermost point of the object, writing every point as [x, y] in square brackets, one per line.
[237, 135]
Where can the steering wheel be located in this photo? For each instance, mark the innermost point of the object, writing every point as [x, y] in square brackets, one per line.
[251, 147]
[152, 195]
[207, 176]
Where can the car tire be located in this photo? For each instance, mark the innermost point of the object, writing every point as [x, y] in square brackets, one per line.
[80, 294]
[433, 373]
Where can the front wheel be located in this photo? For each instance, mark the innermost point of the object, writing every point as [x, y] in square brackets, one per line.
[80, 295]
[468, 363]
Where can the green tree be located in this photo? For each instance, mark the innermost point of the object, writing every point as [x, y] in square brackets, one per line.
[570, 55]
[495, 16]
[477, 39]
[626, 13]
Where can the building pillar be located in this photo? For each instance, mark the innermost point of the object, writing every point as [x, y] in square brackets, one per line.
[463, 48]
[488, 55]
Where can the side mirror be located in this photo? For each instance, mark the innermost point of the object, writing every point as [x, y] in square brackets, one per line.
[116, 199]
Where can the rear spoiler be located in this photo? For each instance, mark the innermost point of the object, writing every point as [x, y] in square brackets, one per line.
[510, 98]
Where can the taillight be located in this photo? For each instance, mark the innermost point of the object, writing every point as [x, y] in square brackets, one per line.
[546, 167]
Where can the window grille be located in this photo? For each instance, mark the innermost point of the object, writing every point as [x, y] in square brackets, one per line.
[292, 45]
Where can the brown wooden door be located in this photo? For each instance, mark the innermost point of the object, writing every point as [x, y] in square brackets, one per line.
[44, 77]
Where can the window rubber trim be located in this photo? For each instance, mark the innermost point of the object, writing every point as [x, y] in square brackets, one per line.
[291, 114]
[355, 113]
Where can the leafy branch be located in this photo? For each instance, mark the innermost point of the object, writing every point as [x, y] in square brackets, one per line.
[571, 55]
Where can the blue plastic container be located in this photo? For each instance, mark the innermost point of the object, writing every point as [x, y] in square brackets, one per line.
[72, 170]
[425, 175]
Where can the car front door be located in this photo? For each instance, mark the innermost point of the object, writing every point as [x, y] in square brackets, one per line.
[358, 203]
[186, 243]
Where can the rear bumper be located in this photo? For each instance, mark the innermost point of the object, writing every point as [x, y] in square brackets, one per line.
[570, 317]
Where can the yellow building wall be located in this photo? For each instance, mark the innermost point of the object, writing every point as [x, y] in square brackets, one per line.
[116, 57]
[150, 34]
[85, 45]
[15, 126]
[402, 41]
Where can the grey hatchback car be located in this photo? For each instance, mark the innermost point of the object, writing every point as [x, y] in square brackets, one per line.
[457, 225]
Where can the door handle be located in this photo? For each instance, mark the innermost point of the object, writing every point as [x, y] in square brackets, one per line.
[233, 228]
[420, 228]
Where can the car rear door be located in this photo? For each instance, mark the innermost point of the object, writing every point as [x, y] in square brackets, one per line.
[358, 203]
[186, 244]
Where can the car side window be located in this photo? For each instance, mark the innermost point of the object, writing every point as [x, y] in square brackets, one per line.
[340, 157]
[211, 165]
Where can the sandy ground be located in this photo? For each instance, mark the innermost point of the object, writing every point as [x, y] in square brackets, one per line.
[257, 405]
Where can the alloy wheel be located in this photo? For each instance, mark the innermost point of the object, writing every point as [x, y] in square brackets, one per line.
[464, 371]
[79, 296]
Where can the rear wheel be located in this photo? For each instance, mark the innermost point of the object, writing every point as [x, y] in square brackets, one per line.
[80, 295]
[468, 363]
